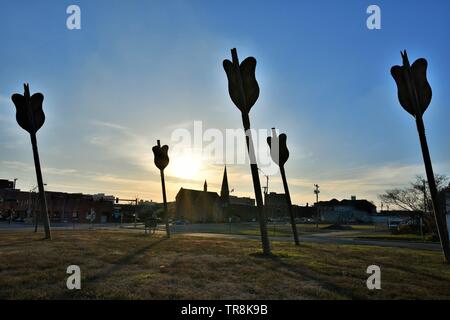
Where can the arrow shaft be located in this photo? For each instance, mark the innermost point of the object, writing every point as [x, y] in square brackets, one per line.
[437, 208]
[166, 211]
[42, 199]
[256, 185]
[289, 205]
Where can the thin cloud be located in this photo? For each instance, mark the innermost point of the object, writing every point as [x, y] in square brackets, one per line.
[25, 167]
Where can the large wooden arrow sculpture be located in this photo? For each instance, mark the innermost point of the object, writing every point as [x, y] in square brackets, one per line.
[161, 161]
[31, 118]
[280, 154]
[414, 94]
[244, 91]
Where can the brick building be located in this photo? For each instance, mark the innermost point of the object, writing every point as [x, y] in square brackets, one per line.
[62, 207]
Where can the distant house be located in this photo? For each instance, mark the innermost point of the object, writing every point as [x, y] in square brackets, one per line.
[346, 211]
[6, 184]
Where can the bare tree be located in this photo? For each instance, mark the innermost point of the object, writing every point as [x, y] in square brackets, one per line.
[416, 196]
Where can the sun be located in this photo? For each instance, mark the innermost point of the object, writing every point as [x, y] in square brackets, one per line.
[185, 166]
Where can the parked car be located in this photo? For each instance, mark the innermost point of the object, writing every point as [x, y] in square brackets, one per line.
[181, 222]
[393, 225]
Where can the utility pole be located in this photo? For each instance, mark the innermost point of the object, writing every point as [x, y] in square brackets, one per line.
[135, 212]
[266, 187]
[317, 191]
[11, 214]
[424, 207]
[36, 213]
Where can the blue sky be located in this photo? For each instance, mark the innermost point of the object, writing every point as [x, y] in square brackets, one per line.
[137, 70]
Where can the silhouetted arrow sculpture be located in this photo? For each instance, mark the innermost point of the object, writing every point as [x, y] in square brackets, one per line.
[414, 94]
[31, 118]
[161, 161]
[280, 154]
[244, 91]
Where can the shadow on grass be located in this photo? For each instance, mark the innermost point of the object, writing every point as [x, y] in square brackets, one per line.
[303, 273]
[122, 262]
[412, 270]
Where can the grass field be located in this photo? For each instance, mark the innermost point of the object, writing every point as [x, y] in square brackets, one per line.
[130, 265]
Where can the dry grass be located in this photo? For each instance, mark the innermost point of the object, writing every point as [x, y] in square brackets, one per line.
[127, 265]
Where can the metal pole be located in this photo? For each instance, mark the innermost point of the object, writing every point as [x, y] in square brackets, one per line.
[317, 207]
[424, 208]
[135, 213]
[11, 212]
[37, 215]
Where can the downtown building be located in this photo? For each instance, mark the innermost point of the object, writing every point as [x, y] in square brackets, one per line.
[62, 207]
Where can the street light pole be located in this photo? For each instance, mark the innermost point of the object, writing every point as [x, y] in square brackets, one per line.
[266, 187]
[11, 214]
[317, 191]
[36, 218]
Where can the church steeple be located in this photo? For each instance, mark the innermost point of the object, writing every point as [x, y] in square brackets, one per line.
[224, 191]
[205, 187]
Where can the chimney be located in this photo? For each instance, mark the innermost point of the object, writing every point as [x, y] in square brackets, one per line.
[353, 198]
